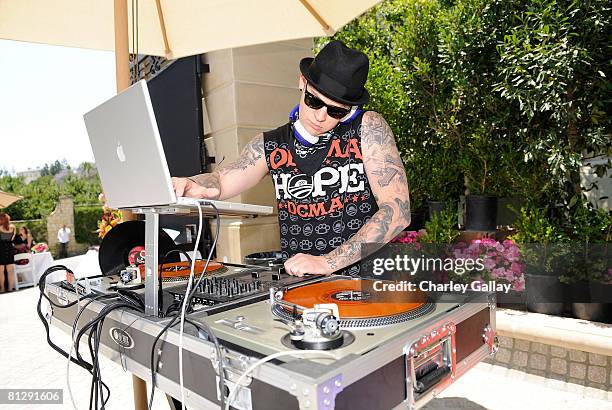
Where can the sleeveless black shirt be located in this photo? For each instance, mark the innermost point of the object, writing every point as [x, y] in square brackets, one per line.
[323, 195]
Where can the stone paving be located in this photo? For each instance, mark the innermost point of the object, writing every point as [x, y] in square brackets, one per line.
[28, 362]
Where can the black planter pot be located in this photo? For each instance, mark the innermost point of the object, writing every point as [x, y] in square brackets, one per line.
[601, 293]
[594, 312]
[588, 301]
[480, 213]
[512, 300]
[505, 215]
[435, 207]
[544, 294]
[417, 220]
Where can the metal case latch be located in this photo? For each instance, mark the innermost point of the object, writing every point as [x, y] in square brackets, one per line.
[430, 363]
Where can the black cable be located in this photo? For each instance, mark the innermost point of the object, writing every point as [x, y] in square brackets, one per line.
[154, 367]
[94, 322]
[210, 335]
[78, 316]
[129, 300]
[171, 323]
[170, 252]
[103, 313]
[210, 253]
[160, 296]
[172, 307]
[128, 295]
[77, 360]
[74, 326]
[97, 337]
[95, 329]
[41, 286]
[220, 357]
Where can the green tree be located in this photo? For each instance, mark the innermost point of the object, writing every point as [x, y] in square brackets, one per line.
[555, 64]
[407, 87]
[41, 195]
[507, 94]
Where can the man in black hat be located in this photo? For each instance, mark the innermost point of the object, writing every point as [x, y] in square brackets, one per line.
[338, 177]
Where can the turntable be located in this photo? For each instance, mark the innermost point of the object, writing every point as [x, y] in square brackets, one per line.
[363, 319]
[358, 306]
[388, 349]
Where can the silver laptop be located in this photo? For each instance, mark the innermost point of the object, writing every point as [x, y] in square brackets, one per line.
[130, 157]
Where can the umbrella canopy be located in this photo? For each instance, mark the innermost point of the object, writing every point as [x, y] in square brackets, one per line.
[175, 28]
[7, 199]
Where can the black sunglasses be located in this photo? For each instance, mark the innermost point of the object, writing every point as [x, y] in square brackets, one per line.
[332, 110]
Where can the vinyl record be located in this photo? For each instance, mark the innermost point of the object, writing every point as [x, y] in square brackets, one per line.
[177, 271]
[124, 238]
[356, 298]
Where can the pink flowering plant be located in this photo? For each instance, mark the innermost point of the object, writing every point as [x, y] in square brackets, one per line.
[501, 261]
[408, 237]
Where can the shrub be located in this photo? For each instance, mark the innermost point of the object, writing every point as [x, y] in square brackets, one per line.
[86, 224]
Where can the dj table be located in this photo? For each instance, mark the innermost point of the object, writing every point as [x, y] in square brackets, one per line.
[396, 360]
[264, 340]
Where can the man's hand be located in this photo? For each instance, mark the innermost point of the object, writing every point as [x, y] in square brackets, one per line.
[187, 187]
[301, 264]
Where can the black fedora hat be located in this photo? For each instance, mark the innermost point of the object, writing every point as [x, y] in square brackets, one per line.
[338, 72]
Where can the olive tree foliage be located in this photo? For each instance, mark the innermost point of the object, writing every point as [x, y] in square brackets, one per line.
[41, 195]
[408, 89]
[555, 64]
[502, 97]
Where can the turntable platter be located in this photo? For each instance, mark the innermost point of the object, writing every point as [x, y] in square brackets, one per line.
[356, 299]
[180, 270]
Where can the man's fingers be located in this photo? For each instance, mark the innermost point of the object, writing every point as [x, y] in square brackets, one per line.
[179, 185]
[292, 265]
[210, 193]
[186, 187]
[289, 266]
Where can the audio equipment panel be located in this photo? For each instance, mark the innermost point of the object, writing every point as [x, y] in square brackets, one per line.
[375, 364]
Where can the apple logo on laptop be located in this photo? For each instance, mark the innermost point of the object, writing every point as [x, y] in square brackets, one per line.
[120, 153]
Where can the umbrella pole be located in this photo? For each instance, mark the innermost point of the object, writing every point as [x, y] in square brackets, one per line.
[122, 71]
[122, 51]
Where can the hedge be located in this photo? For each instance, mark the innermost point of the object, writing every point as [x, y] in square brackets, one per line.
[86, 224]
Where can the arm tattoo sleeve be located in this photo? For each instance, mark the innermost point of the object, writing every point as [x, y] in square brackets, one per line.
[378, 230]
[250, 154]
[210, 180]
[376, 131]
[387, 178]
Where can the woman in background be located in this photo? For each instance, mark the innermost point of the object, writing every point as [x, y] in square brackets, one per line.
[7, 251]
[24, 240]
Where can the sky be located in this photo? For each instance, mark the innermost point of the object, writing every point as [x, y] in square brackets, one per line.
[44, 92]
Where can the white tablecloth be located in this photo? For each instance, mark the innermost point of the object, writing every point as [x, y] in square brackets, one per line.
[40, 263]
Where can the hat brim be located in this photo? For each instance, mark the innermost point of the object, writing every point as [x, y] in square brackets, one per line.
[305, 65]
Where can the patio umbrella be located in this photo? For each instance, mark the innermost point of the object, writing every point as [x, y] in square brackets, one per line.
[175, 28]
[7, 199]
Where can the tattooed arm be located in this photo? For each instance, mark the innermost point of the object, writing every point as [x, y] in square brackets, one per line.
[387, 177]
[230, 179]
